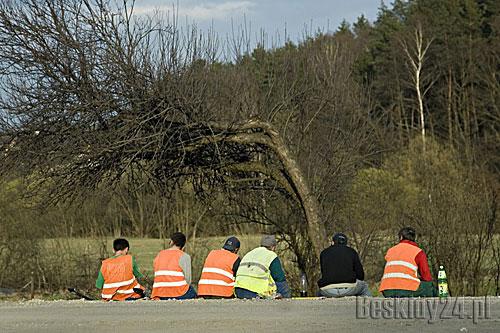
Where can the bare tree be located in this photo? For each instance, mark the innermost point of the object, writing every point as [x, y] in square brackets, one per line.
[94, 96]
[416, 50]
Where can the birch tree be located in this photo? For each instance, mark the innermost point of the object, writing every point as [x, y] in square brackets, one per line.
[415, 50]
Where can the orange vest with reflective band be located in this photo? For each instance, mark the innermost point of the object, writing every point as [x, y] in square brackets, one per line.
[119, 279]
[217, 278]
[169, 278]
[401, 270]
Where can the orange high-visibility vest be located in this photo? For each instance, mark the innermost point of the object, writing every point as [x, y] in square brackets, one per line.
[401, 270]
[119, 279]
[217, 278]
[169, 278]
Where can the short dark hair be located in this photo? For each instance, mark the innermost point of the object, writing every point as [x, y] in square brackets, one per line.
[120, 244]
[407, 233]
[179, 239]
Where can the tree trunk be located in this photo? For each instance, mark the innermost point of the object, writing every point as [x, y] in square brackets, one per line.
[295, 178]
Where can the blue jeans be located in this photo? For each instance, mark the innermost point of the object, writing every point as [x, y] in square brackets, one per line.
[283, 289]
[361, 289]
[245, 293]
[190, 294]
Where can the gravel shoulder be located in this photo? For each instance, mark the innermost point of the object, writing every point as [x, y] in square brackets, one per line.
[323, 315]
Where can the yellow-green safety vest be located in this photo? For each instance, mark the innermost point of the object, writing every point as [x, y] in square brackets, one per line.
[254, 274]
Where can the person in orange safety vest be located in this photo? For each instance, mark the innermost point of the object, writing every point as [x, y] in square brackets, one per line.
[406, 272]
[172, 271]
[118, 275]
[219, 271]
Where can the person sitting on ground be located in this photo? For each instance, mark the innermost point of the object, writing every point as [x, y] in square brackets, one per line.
[260, 274]
[341, 271]
[118, 275]
[172, 271]
[219, 270]
[404, 263]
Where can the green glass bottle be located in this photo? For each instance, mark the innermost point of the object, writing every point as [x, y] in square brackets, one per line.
[442, 282]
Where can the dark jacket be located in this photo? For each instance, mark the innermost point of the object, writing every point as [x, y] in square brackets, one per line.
[340, 264]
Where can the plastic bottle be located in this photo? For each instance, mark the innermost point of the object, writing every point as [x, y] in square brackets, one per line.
[303, 285]
[442, 282]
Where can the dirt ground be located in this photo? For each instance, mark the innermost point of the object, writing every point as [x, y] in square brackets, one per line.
[295, 315]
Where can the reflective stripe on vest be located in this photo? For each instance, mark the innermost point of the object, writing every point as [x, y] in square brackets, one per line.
[169, 284]
[402, 263]
[169, 273]
[169, 278]
[216, 282]
[401, 270]
[118, 284]
[217, 277]
[257, 264]
[119, 280]
[253, 273]
[400, 275]
[218, 271]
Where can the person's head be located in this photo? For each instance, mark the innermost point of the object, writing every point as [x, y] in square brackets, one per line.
[232, 244]
[339, 239]
[178, 239]
[121, 245]
[269, 242]
[407, 233]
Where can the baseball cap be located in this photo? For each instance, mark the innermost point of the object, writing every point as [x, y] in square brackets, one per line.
[231, 244]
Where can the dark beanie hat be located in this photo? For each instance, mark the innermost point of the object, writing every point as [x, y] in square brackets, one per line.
[340, 238]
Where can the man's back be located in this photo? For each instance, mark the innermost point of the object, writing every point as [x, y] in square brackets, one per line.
[217, 277]
[340, 264]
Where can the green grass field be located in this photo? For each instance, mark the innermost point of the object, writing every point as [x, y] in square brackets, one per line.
[143, 249]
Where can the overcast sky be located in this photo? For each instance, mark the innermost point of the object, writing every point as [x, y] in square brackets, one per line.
[270, 15]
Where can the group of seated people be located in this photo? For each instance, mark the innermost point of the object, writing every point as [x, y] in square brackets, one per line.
[260, 274]
[406, 271]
